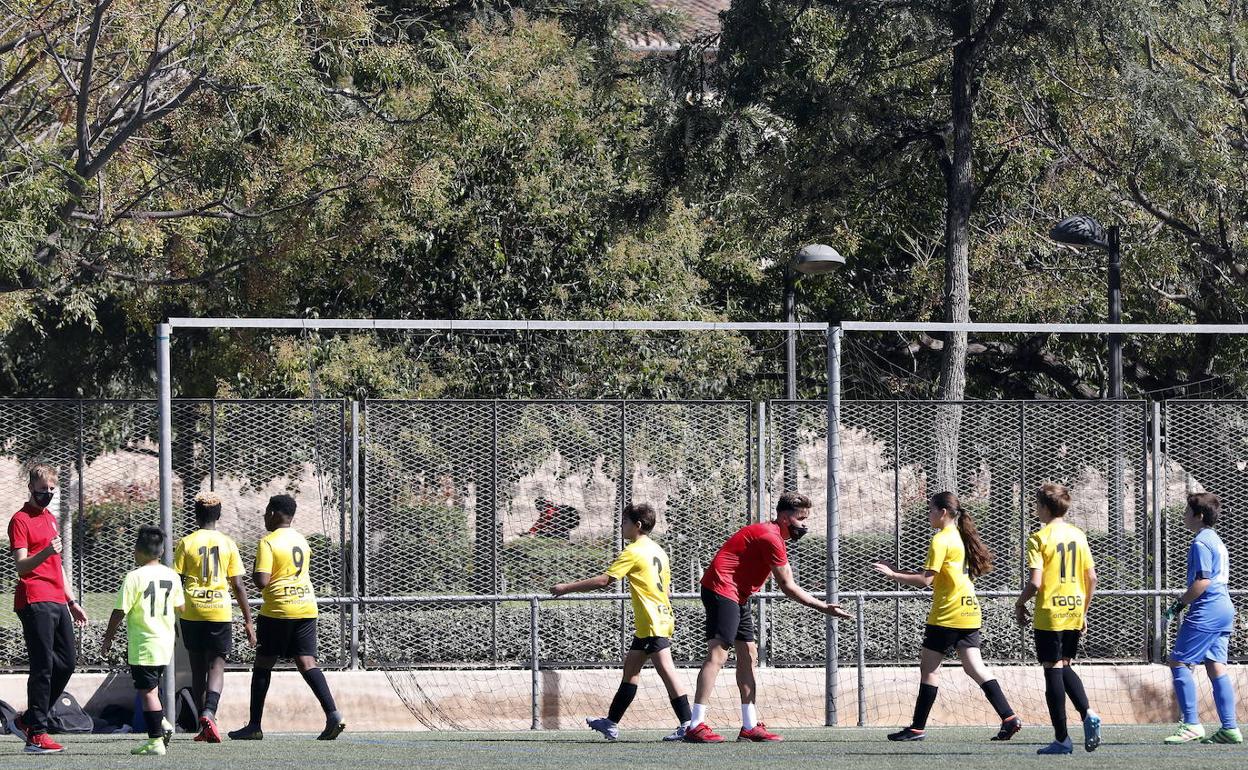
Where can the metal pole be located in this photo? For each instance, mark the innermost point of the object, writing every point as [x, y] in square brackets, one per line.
[860, 608]
[619, 517]
[353, 572]
[534, 682]
[1159, 642]
[763, 642]
[164, 392]
[789, 429]
[1023, 495]
[212, 445]
[1115, 312]
[495, 529]
[897, 522]
[831, 586]
[79, 535]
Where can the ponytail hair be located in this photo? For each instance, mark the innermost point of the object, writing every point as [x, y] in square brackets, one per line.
[978, 557]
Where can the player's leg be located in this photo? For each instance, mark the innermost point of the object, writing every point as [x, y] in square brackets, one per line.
[1190, 648]
[64, 651]
[216, 642]
[752, 728]
[973, 665]
[931, 655]
[147, 682]
[722, 618]
[39, 633]
[271, 641]
[634, 659]
[1223, 692]
[1073, 685]
[676, 692]
[1049, 653]
[303, 650]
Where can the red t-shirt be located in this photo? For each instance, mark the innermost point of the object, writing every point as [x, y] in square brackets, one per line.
[742, 565]
[33, 528]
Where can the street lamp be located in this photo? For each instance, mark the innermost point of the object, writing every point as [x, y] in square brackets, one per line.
[812, 259]
[1085, 231]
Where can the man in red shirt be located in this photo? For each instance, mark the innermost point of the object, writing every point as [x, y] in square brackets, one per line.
[46, 608]
[737, 572]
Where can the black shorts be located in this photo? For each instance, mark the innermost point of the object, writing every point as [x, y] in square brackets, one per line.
[726, 620]
[146, 677]
[211, 637]
[650, 644]
[1052, 646]
[285, 637]
[944, 640]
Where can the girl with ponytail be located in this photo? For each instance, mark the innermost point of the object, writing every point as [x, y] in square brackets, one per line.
[955, 557]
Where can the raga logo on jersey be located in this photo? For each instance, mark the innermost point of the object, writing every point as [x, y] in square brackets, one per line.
[1073, 602]
[294, 592]
[205, 594]
[969, 601]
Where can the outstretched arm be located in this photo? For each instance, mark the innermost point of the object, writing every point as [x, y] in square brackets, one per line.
[580, 586]
[789, 587]
[905, 577]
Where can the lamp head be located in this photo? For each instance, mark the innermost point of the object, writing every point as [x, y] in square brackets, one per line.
[817, 258]
[1081, 230]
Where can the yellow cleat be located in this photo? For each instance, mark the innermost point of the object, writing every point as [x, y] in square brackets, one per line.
[154, 746]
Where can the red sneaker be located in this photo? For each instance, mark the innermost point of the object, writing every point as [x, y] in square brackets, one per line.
[702, 734]
[40, 743]
[208, 731]
[760, 734]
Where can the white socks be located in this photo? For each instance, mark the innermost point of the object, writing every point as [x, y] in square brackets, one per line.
[749, 716]
[698, 716]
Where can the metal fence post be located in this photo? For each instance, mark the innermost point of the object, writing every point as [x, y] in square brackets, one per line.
[164, 392]
[763, 642]
[353, 573]
[897, 521]
[79, 543]
[212, 445]
[860, 609]
[831, 586]
[534, 679]
[619, 518]
[1159, 642]
[1022, 507]
[496, 584]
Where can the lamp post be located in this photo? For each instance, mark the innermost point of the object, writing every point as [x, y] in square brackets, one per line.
[812, 259]
[1083, 231]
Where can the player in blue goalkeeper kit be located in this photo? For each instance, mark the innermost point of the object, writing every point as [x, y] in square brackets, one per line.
[1206, 629]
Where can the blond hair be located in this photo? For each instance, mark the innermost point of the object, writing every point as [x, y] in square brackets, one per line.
[41, 472]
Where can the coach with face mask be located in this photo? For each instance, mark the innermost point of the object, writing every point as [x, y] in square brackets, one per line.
[738, 571]
[46, 608]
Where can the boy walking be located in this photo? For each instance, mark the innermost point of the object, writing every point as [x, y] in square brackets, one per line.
[209, 564]
[287, 625]
[649, 575]
[148, 601]
[1062, 577]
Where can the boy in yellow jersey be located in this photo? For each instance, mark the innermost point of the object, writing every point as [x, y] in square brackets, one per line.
[287, 625]
[206, 559]
[149, 598]
[957, 555]
[649, 575]
[1062, 577]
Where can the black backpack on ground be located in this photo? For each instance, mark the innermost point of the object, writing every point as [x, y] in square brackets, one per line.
[68, 717]
[188, 713]
[7, 713]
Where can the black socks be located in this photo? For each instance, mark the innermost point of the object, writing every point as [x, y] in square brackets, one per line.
[316, 680]
[153, 720]
[260, 678]
[622, 700]
[1074, 691]
[997, 699]
[1055, 697]
[211, 700]
[923, 706]
[681, 707]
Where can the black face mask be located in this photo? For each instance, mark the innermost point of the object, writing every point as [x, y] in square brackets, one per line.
[797, 531]
[42, 498]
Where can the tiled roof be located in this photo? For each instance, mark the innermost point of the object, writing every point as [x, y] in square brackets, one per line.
[700, 18]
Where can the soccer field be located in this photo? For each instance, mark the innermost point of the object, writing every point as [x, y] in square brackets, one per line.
[1124, 747]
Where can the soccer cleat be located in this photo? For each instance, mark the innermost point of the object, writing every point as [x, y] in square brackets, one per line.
[907, 734]
[333, 726]
[1185, 733]
[1058, 747]
[41, 743]
[154, 746]
[1091, 731]
[166, 731]
[246, 733]
[1009, 728]
[702, 733]
[1225, 735]
[208, 732]
[758, 734]
[609, 729]
[678, 735]
[18, 727]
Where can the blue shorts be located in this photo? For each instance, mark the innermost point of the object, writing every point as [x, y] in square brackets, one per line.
[1194, 647]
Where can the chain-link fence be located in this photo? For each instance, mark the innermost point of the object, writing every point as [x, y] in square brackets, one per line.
[471, 510]
[106, 454]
